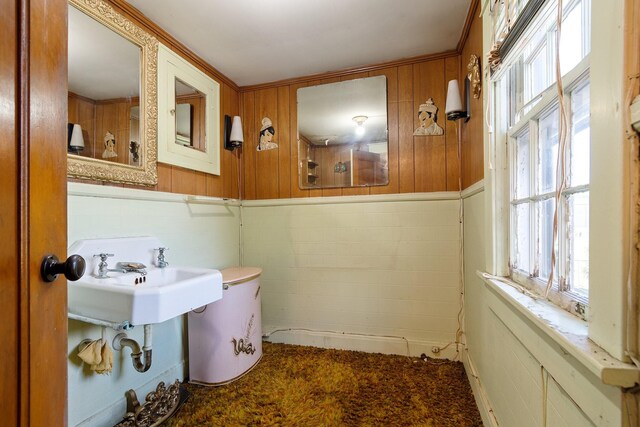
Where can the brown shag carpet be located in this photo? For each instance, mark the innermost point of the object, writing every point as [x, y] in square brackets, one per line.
[307, 386]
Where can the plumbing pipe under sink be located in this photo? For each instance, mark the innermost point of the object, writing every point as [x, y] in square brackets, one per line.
[122, 340]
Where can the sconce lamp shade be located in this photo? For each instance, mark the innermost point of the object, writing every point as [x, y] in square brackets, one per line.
[454, 109]
[76, 143]
[233, 137]
[236, 136]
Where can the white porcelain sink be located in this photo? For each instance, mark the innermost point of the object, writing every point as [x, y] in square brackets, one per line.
[161, 294]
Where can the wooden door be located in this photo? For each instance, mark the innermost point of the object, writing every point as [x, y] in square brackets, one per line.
[33, 110]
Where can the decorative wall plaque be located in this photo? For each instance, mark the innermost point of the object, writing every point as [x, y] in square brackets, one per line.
[428, 115]
[474, 76]
[266, 135]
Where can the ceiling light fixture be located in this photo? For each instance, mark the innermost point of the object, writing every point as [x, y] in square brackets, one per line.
[360, 124]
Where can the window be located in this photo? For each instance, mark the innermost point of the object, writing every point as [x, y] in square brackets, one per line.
[529, 115]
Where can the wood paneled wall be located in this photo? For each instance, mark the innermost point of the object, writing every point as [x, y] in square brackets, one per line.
[113, 117]
[472, 131]
[99, 117]
[176, 179]
[82, 111]
[416, 163]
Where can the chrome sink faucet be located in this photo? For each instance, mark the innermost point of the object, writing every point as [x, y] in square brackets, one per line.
[131, 267]
[122, 267]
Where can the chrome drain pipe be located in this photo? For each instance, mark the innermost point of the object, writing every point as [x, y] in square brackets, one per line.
[122, 340]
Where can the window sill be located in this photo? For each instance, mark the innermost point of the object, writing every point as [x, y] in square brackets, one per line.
[569, 332]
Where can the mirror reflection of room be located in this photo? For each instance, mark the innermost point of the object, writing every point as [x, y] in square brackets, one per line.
[190, 116]
[342, 131]
[104, 89]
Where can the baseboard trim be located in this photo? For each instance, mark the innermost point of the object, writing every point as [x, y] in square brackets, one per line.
[358, 342]
[480, 395]
[115, 412]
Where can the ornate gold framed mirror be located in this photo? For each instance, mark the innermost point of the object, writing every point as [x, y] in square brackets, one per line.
[113, 116]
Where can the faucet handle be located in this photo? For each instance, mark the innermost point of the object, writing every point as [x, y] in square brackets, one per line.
[103, 257]
[102, 267]
[161, 261]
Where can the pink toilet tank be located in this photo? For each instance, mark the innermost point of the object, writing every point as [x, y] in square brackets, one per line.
[225, 337]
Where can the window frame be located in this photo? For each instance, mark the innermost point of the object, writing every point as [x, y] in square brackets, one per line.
[526, 119]
[566, 297]
[612, 195]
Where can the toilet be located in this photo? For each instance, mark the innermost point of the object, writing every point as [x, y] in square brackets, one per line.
[225, 337]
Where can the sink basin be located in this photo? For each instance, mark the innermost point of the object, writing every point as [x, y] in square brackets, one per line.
[163, 294]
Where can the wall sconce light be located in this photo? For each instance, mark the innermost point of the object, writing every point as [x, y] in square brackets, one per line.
[360, 124]
[233, 136]
[76, 140]
[454, 109]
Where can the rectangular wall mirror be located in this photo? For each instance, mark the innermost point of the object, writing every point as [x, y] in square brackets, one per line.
[110, 83]
[342, 134]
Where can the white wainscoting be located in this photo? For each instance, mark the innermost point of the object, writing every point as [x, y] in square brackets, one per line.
[370, 273]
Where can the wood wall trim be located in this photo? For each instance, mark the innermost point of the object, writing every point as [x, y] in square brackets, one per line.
[134, 100]
[467, 25]
[82, 98]
[10, 252]
[350, 71]
[34, 90]
[22, 216]
[170, 41]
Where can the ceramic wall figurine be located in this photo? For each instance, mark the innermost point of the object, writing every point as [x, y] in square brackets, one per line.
[109, 146]
[266, 135]
[428, 115]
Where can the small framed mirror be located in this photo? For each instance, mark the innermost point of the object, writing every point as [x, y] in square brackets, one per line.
[112, 79]
[189, 115]
[342, 134]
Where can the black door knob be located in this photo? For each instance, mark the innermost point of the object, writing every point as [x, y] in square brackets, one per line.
[72, 268]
